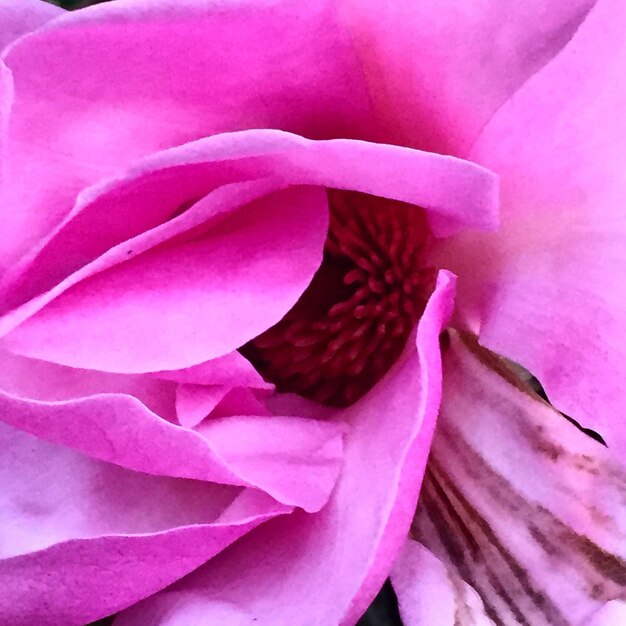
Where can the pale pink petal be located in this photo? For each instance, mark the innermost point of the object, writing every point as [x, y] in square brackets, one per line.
[525, 507]
[295, 460]
[611, 614]
[550, 288]
[431, 593]
[107, 85]
[327, 567]
[18, 17]
[82, 539]
[437, 71]
[177, 306]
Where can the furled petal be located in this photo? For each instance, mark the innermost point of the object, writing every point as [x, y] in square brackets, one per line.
[437, 71]
[295, 460]
[180, 305]
[550, 288]
[432, 594]
[114, 321]
[18, 17]
[329, 566]
[81, 539]
[109, 84]
[525, 507]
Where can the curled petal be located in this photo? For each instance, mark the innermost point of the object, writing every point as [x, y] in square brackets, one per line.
[18, 17]
[437, 71]
[82, 539]
[295, 460]
[526, 508]
[431, 593]
[167, 72]
[548, 290]
[329, 566]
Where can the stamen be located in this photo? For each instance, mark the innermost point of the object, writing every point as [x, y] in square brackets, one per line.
[352, 322]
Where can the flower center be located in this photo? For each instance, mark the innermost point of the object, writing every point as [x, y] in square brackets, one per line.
[352, 322]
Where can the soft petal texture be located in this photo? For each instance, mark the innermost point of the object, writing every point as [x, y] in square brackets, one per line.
[113, 320]
[431, 593]
[310, 564]
[437, 71]
[297, 461]
[174, 307]
[241, 64]
[550, 289]
[83, 539]
[610, 614]
[18, 17]
[526, 508]
[455, 194]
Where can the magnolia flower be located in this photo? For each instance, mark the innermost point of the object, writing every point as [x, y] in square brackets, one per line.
[231, 350]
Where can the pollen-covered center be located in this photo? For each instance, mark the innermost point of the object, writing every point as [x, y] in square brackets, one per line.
[352, 322]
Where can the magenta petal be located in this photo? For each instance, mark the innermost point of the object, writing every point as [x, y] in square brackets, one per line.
[177, 306]
[611, 614]
[296, 460]
[82, 539]
[438, 71]
[328, 566]
[550, 287]
[432, 594]
[166, 73]
[18, 17]
[516, 500]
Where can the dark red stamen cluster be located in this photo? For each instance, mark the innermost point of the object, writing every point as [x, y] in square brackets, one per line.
[352, 322]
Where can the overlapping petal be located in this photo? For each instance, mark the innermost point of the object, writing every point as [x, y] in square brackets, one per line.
[209, 274]
[167, 72]
[437, 71]
[295, 460]
[522, 505]
[548, 290]
[82, 539]
[309, 564]
[433, 594]
[19, 17]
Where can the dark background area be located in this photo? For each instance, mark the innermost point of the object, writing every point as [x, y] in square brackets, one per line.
[384, 609]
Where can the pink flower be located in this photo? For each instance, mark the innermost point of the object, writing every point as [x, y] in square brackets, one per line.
[231, 234]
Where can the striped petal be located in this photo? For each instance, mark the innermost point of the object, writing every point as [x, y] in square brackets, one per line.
[526, 508]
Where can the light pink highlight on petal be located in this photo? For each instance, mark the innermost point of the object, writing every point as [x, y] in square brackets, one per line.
[19, 17]
[431, 594]
[329, 566]
[83, 539]
[298, 459]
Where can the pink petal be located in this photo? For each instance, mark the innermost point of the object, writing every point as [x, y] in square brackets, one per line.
[525, 507]
[550, 287]
[231, 369]
[82, 539]
[18, 17]
[610, 614]
[295, 460]
[196, 402]
[174, 307]
[166, 73]
[438, 71]
[114, 321]
[133, 213]
[327, 567]
[431, 594]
